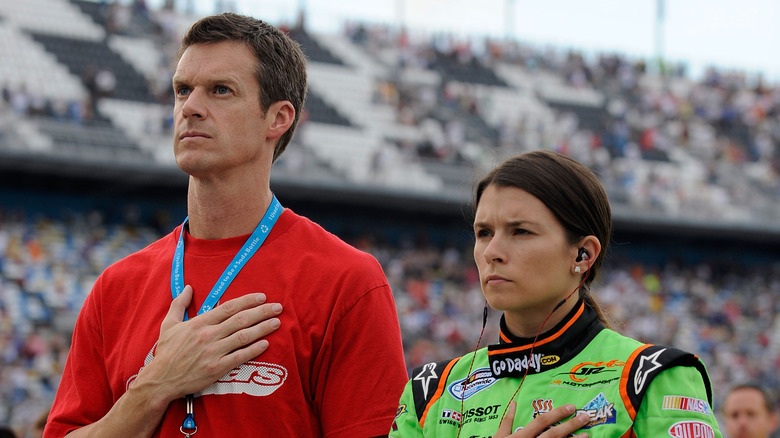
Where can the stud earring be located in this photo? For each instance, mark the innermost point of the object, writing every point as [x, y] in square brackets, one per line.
[577, 270]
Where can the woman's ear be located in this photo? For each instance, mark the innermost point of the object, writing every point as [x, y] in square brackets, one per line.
[588, 250]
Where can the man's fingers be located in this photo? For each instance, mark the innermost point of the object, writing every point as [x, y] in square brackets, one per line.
[547, 419]
[178, 307]
[251, 325]
[242, 355]
[230, 308]
[250, 317]
[566, 428]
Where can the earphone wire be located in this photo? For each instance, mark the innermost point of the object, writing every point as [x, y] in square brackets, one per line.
[466, 381]
[536, 338]
[530, 353]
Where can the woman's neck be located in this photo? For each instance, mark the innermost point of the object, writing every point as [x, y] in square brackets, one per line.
[533, 322]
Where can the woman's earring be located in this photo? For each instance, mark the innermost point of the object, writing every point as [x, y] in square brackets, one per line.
[577, 270]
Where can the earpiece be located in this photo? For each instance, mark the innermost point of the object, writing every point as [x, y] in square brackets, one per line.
[582, 254]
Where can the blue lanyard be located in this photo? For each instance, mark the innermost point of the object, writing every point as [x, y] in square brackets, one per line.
[251, 246]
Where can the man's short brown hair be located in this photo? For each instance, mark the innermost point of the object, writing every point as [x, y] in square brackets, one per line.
[281, 64]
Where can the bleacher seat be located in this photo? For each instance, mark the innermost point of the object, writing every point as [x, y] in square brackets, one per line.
[26, 65]
[81, 56]
[312, 49]
[470, 71]
[52, 17]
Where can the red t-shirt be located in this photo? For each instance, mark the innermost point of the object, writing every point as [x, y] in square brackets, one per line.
[334, 368]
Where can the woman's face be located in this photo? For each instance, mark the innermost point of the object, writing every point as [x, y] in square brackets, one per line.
[524, 259]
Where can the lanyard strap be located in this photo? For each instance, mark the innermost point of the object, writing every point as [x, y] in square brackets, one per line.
[251, 246]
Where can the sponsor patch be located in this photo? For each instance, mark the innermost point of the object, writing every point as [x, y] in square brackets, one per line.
[542, 405]
[479, 414]
[426, 374]
[691, 429]
[401, 410]
[681, 403]
[600, 411]
[583, 370]
[647, 365]
[476, 381]
[516, 365]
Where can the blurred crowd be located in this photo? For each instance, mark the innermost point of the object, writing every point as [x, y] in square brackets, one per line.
[658, 138]
[722, 311]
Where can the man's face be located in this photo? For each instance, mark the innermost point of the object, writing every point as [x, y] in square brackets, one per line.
[219, 123]
[746, 415]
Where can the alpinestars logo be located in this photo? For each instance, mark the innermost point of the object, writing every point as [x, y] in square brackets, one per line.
[646, 366]
[252, 378]
[428, 372]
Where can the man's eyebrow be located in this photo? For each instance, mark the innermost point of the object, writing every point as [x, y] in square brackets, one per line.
[216, 80]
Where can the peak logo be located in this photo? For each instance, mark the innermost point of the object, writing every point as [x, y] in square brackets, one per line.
[600, 411]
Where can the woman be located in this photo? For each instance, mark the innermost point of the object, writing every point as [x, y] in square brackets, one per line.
[542, 223]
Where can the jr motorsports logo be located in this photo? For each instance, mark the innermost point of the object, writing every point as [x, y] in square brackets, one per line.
[251, 378]
[476, 381]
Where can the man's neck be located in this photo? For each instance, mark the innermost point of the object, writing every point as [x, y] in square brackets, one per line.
[220, 211]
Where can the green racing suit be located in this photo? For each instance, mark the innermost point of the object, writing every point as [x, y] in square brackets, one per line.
[629, 389]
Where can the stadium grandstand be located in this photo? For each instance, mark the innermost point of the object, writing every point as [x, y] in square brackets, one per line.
[397, 127]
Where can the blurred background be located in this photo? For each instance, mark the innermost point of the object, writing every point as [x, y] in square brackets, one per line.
[409, 103]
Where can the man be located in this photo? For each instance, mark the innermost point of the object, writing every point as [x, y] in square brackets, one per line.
[749, 412]
[329, 364]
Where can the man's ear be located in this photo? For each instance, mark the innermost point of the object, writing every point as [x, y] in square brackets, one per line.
[280, 117]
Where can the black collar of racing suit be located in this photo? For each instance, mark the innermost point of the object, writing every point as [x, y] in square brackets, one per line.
[512, 356]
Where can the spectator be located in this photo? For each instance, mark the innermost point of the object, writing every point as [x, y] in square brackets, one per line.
[749, 412]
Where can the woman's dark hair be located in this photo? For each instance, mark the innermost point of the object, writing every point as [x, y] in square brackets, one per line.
[570, 190]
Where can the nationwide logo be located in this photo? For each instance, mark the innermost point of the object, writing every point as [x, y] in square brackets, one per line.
[401, 410]
[476, 381]
[600, 411]
[583, 370]
[691, 429]
[690, 404]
